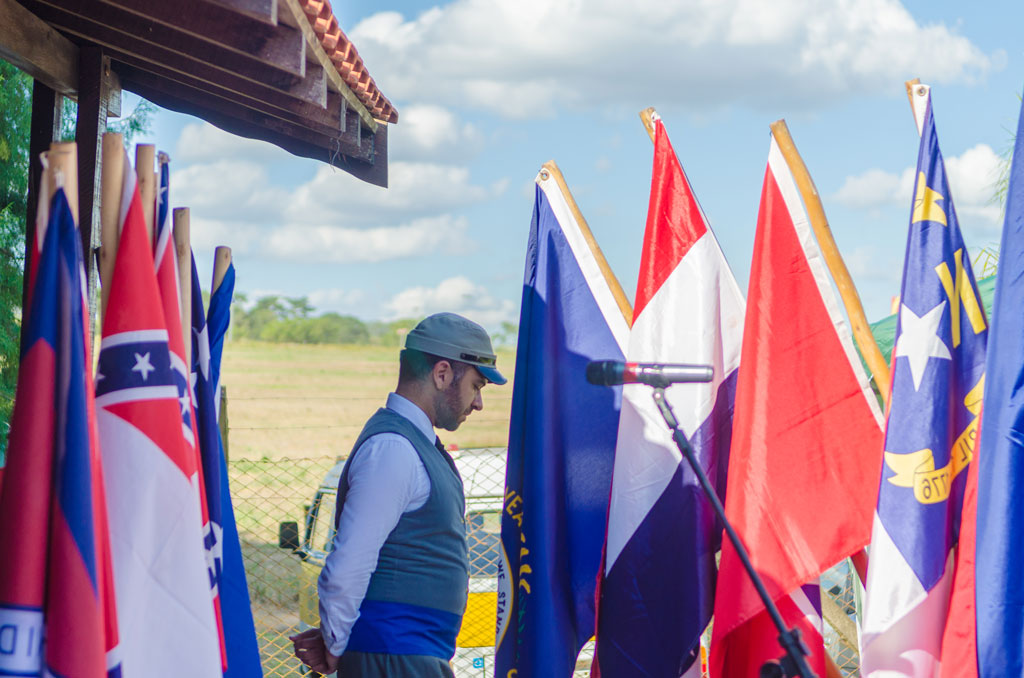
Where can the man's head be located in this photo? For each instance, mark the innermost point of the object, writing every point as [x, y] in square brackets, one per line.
[446, 362]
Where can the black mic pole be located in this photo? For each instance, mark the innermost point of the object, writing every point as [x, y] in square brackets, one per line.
[793, 661]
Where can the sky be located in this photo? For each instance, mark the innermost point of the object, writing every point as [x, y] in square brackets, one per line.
[488, 91]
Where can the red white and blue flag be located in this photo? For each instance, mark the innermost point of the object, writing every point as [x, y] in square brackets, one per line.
[57, 611]
[657, 594]
[228, 574]
[803, 465]
[165, 610]
[938, 377]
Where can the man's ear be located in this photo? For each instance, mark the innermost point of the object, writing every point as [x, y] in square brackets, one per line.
[443, 374]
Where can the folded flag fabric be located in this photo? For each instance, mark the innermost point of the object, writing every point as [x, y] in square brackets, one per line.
[804, 461]
[938, 376]
[561, 443]
[657, 593]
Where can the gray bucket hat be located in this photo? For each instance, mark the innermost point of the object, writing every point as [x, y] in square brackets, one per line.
[451, 336]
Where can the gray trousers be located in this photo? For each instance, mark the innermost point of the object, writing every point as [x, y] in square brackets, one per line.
[370, 665]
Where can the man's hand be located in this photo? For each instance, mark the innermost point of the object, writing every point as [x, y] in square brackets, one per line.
[312, 651]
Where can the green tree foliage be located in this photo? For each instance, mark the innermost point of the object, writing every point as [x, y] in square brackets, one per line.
[16, 110]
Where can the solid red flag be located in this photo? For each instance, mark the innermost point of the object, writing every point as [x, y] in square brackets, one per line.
[807, 438]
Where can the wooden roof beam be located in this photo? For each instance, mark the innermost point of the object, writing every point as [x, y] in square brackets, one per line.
[33, 46]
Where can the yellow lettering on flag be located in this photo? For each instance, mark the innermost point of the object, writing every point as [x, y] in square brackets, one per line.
[926, 203]
[917, 469]
[959, 290]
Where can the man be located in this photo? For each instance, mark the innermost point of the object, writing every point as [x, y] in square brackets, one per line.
[394, 587]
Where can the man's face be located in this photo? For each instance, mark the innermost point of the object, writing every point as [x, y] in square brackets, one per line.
[459, 399]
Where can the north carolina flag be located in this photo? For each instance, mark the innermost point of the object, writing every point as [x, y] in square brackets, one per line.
[561, 443]
[938, 376]
[165, 612]
[806, 433]
[658, 590]
[57, 612]
[228, 575]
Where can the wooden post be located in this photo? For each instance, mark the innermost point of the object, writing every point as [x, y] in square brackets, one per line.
[550, 169]
[221, 262]
[112, 188]
[837, 267]
[62, 172]
[222, 420]
[647, 118]
[145, 155]
[44, 128]
[183, 251]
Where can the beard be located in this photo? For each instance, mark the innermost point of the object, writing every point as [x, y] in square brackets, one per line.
[448, 410]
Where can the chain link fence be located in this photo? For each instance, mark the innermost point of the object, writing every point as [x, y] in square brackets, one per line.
[282, 584]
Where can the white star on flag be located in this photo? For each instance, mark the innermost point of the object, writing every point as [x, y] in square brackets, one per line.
[143, 366]
[919, 340]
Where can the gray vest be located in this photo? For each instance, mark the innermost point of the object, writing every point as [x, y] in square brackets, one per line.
[424, 560]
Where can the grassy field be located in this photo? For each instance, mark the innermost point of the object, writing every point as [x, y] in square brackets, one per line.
[296, 400]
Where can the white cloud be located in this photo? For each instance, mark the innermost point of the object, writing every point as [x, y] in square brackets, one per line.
[433, 133]
[458, 295]
[337, 300]
[972, 176]
[335, 244]
[232, 190]
[525, 59]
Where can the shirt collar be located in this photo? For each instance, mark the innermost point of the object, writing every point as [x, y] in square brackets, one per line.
[412, 412]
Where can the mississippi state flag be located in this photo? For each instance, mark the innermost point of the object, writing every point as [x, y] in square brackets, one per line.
[165, 610]
[57, 612]
[561, 443]
[938, 377]
[806, 435]
[659, 575]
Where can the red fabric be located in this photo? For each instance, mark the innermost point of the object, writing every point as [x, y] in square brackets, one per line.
[960, 638]
[756, 641]
[806, 448]
[674, 221]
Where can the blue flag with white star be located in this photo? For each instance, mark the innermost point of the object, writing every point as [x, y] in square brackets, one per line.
[938, 374]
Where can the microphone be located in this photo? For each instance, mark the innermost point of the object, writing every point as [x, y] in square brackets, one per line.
[615, 372]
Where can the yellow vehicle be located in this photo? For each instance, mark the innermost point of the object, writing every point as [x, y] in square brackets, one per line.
[483, 477]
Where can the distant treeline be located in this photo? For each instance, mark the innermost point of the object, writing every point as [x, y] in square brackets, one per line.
[291, 320]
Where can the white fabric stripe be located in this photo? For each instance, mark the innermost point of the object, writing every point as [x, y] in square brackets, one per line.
[186, 433]
[893, 588]
[816, 262]
[803, 603]
[586, 260]
[920, 105]
[178, 364]
[680, 324]
[127, 190]
[130, 395]
[133, 337]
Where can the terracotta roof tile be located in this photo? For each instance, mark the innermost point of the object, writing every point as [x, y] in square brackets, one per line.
[346, 59]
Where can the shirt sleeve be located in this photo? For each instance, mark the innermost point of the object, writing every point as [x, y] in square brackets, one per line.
[386, 478]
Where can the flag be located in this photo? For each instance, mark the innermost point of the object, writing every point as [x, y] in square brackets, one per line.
[169, 284]
[1000, 498]
[937, 383]
[218, 319]
[57, 613]
[803, 467]
[228, 574]
[659, 576]
[561, 443]
[163, 592]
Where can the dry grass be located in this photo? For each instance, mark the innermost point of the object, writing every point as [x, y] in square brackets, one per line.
[295, 400]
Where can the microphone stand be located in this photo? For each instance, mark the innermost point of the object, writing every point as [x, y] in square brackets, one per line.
[792, 663]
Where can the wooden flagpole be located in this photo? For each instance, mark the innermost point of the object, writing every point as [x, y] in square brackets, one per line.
[62, 171]
[145, 155]
[111, 189]
[221, 261]
[183, 252]
[613, 283]
[847, 291]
